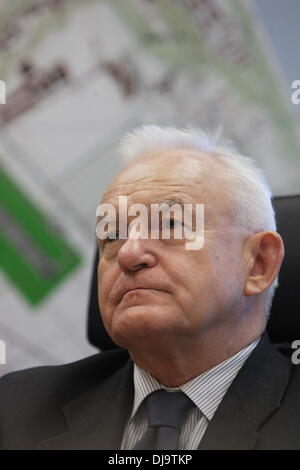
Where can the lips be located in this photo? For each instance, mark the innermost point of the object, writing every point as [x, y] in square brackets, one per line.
[125, 290]
[141, 288]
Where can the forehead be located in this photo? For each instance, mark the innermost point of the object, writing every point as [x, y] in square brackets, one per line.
[181, 170]
[186, 175]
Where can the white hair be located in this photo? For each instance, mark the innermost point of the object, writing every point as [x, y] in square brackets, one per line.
[250, 193]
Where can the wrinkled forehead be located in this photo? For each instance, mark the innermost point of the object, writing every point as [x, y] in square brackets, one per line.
[180, 175]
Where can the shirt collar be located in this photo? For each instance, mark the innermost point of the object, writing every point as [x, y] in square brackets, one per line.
[206, 390]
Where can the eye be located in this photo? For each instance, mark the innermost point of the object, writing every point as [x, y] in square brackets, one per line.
[172, 223]
[112, 237]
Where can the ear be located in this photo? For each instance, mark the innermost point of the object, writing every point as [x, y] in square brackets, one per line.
[264, 255]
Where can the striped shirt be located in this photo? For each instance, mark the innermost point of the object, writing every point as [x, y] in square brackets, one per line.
[206, 391]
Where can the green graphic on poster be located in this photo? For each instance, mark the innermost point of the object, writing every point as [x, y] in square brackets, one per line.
[33, 255]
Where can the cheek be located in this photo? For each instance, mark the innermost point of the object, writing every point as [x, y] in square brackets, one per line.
[228, 274]
[204, 277]
[106, 281]
[191, 277]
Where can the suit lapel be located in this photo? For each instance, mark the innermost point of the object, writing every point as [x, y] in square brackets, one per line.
[97, 418]
[254, 395]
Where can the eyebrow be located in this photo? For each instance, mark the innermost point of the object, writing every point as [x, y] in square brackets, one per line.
[170, 202]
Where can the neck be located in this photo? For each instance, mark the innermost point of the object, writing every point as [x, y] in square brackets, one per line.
[175, 364]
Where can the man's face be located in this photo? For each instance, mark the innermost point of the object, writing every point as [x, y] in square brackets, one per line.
[156, 289]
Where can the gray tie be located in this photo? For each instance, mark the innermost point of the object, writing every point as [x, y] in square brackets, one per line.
[166, 413]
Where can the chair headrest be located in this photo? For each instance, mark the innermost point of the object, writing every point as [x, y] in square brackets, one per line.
[284, 323]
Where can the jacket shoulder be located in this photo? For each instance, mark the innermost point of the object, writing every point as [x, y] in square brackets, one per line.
[83, 373]
[31, 400]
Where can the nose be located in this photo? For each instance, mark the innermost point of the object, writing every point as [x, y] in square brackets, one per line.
[135, 254]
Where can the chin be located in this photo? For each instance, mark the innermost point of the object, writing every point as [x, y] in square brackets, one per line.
[136, 324]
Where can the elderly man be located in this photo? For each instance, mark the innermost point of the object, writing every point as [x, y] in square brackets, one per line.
[197, 370]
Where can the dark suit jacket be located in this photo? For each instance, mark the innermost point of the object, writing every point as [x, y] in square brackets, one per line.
[86, 404]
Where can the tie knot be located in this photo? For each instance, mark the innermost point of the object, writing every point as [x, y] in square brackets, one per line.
[167, 408]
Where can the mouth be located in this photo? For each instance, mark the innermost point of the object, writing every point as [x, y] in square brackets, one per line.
[140, 290]
[137, 289]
